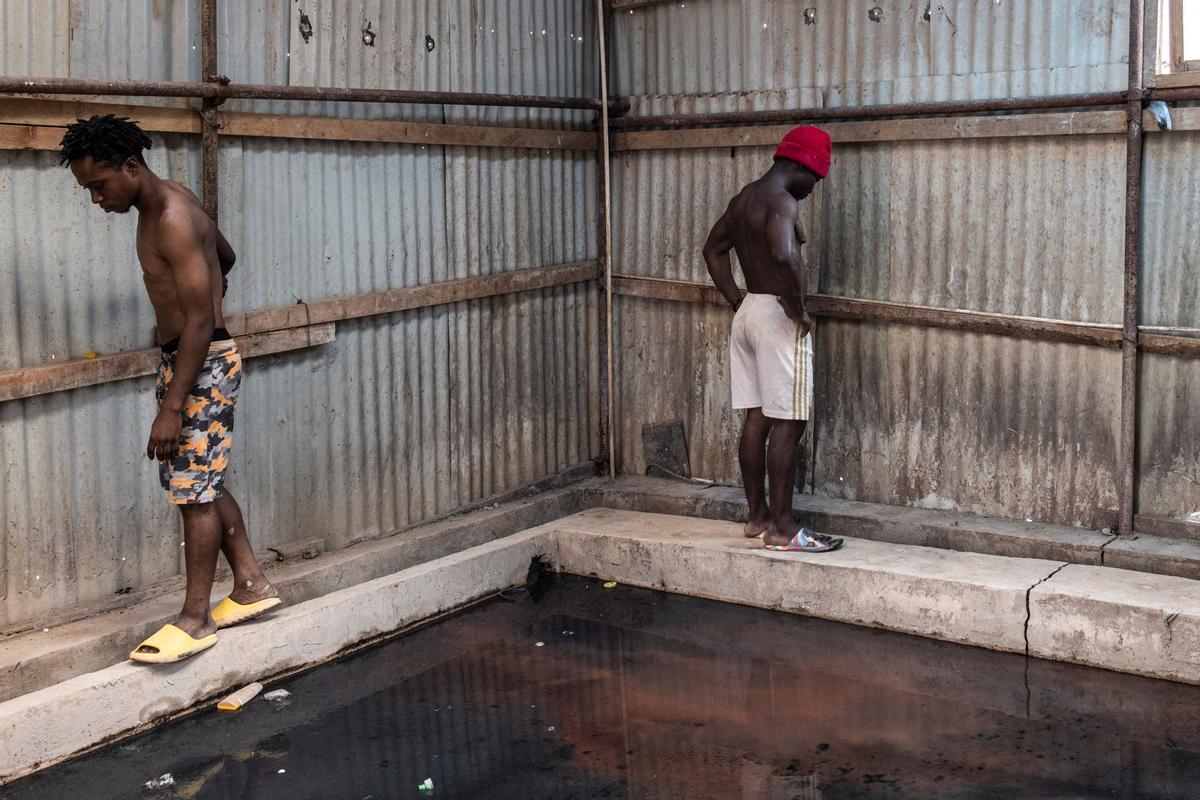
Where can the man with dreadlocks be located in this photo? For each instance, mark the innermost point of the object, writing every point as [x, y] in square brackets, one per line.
[184, 262]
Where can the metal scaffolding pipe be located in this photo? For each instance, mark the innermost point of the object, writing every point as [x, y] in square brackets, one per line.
[209, 130]
[220, 91]
[608, 412]
[1127, 452]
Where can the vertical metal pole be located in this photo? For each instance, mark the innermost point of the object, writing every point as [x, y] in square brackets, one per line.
[1133, 219]
[606, 239]
[209, 152]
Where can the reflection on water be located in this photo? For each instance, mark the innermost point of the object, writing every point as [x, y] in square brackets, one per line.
[583, 692]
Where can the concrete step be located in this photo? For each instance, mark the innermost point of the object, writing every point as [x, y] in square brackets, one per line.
[44, 657]
[926, 528]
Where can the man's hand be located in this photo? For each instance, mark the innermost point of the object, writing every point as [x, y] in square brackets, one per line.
[164, 435]
[797, 313]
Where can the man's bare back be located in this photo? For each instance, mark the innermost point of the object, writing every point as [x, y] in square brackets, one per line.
[756, 214]
[181, 217]
[762, 225]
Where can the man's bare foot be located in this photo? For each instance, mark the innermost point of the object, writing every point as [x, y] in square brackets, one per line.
[776, 536]
[755, 528]
[252, 591]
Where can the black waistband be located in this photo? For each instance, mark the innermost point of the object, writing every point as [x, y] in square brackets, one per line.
[219, 335]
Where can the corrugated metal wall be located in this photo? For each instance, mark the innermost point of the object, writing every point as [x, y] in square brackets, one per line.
[1169, 444]
[404, 416]
[1023, 226]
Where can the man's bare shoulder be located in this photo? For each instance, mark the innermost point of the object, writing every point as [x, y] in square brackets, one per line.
[178, 228]
[179, 188]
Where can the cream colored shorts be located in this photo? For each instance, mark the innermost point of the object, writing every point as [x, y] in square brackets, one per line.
[770, 361]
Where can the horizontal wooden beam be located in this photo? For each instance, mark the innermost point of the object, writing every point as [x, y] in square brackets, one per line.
[1019, 327]
[37, 125]
[849, 308]
[33, 381]
[892, 130]
[29, 137]
[1177, 80]
[367, 130]
[294, 326]
[412, 297]
[60, 113]
[621, 5]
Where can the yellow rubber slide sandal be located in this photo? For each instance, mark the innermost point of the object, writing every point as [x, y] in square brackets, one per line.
[230, 612]
[171, 644]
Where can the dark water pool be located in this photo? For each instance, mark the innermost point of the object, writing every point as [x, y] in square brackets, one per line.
[575, 691]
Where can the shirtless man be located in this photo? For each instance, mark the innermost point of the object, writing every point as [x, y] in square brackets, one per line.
[184, 262]
[771, 353]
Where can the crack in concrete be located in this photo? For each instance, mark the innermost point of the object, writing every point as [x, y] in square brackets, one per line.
[1170, 618]
[1028, 615]
[1028, 592]
[1112, 538]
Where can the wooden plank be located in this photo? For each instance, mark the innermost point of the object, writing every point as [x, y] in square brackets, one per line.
[659, 289]
[294, 326]
[1040, 329]
[621, 5]
[1177, 80]
[1182, 346]
[833, 307]
[413, 297]
[1183, 118]
[29, 137]
[60, 113]
[368, 130]
[32, 381]
[1175, 33]
[894, 130]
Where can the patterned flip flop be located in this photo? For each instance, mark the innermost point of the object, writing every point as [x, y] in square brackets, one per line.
[806, 541]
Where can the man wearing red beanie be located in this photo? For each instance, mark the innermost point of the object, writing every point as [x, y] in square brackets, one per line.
[770, 349]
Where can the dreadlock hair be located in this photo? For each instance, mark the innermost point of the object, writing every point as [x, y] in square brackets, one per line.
[108, 139]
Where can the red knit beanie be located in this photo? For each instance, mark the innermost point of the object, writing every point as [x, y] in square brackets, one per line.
[809, 147]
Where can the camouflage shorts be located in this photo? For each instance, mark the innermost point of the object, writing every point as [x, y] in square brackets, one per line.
[197, 473]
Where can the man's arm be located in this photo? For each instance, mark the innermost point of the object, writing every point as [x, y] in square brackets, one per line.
[226, 258]
[181, 247]
[785, 236]
[716, 256]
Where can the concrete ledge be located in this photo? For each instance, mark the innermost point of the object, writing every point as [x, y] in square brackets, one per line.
[1099, 616]
[1158, 554]
[37, 659]
[914, 526]
[958, 597]
[46, 726]
[1120, 620]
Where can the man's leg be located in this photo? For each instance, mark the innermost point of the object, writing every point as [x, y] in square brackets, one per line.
[752, 456]
[201, 544]
[250, 584]
[781, 462]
